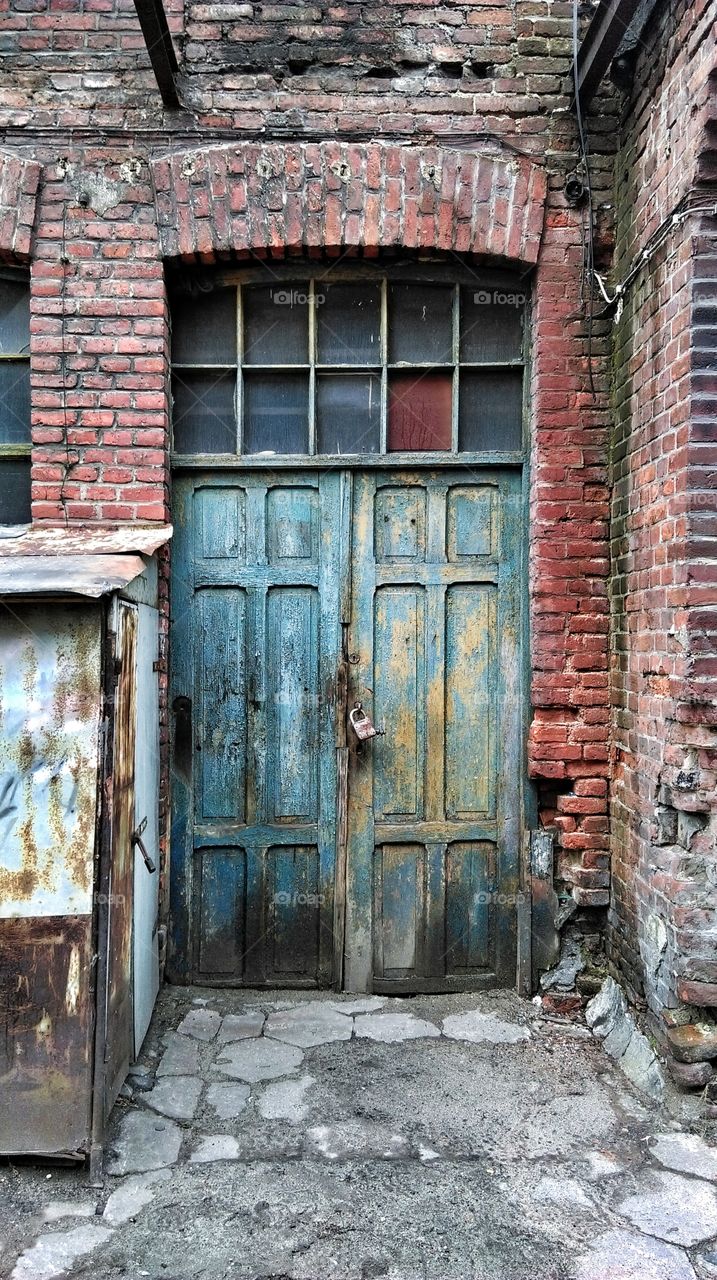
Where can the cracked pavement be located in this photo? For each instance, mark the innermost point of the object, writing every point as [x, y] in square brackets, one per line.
[300, 1136]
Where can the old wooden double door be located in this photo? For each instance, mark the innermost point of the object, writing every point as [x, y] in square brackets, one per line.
[301, 856]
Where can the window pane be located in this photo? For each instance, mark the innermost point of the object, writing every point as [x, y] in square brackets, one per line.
[349, 323]
[204, 328]
[14, 401]
[420, 324]
[14, 316]
[276, 324]
[348, 411]
[14, 490]
[419, 411]
[204, 416]
[491, 411]
[491, 324]
[276, 413]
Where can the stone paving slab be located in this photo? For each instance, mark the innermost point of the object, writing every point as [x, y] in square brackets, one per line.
[55, 1254]
[175, 1096]
[393, 1028]
[625, 1255]
[308, 1025]
[202, 1024]
[686, 1153]
[180, 1058]
[259, 1059]
[145, 1141]
[679, 1210]
[131, 1196]
[483, 1028]
[218, 1146]
[228, 1100]
[241, 1026]
[285, 1100]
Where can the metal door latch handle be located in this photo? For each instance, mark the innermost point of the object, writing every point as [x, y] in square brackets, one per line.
[361, 724]
[138, 843]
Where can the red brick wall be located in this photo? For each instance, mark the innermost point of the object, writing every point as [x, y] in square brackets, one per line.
[663, 799]
[484, 79]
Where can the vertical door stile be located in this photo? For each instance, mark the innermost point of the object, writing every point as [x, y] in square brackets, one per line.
[183, 716]
[341, 720]
[255, 906]
[359, 871]
[510, 762]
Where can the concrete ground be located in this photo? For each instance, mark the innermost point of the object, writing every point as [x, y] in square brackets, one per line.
[286, 1136]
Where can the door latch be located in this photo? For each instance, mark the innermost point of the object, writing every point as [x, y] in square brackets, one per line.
[138, 843]
[361, 724]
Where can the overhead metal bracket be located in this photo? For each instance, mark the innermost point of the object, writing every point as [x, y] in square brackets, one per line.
[600, 44]
[162, 55]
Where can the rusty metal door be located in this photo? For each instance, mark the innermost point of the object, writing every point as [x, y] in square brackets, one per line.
[145, 956]
[434, 816]
[255, 654]
[50, 703]
[119, 1026]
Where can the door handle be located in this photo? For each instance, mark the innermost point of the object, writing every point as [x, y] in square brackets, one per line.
[138, 843]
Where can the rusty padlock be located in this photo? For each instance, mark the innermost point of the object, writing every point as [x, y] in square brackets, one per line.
[361, 724]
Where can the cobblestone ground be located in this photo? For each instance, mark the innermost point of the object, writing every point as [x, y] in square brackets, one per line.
[308, 1137]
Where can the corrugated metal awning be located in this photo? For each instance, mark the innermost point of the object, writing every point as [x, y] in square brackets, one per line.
[75, 561]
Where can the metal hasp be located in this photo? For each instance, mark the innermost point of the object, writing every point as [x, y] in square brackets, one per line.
[600, 44]
[157, 37]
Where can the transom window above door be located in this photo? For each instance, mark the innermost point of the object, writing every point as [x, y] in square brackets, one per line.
[348, 364]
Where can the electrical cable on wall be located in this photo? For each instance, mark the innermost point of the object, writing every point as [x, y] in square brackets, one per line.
[677, 215]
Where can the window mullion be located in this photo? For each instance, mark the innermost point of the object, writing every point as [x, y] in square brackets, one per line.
[312, 366]
[239, 392]
[456, 367]
[383, 443]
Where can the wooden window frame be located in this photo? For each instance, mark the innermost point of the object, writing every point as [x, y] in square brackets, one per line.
[16, 451]
[311, 275]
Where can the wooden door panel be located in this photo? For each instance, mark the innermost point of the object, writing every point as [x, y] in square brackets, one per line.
[292, 678]
[471, 726]
[221, 699]
[256, 637]
[434, 816]
[399, 677]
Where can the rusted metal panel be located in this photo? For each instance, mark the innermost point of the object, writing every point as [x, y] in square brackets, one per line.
[70, 541]
[76, 575]
[50, 682]
[145, 966]
[87, 562]
[50, 687]
[45, 1043]
[120, 1031]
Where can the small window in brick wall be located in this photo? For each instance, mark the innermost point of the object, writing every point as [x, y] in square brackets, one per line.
[350, 362]
[15, 440]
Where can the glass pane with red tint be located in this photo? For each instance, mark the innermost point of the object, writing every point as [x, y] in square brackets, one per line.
[419, 412]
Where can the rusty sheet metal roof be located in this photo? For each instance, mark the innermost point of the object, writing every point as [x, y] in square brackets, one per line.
[92, 576]
[76, 561]
[83, 540]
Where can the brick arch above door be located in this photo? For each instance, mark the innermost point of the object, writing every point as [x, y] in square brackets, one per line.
[268, 199]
